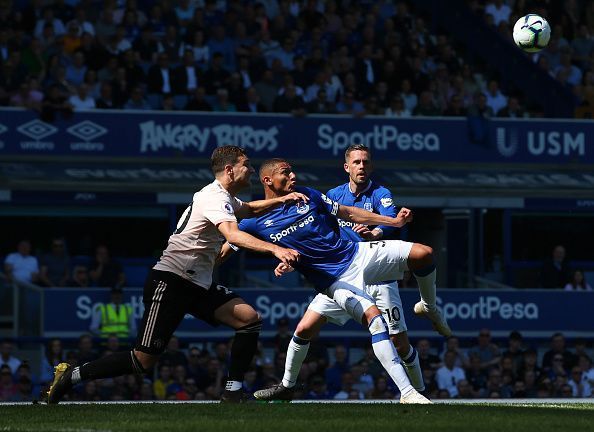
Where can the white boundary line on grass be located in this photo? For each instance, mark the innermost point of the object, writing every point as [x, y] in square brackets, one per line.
[348, 401]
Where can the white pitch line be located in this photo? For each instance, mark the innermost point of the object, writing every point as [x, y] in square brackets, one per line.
[527, 402]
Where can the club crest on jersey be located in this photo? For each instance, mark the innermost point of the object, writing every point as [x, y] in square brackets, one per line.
[227, 208]
[368, 206]
[302, 207]
[386, 202]
[268, 222]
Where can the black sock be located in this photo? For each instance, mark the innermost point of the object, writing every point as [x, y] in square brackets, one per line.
[116, 364]
[245, 345]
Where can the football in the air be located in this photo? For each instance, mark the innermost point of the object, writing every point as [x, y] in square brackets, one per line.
[532, 33]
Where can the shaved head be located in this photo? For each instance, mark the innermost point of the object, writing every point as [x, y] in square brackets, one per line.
[269, 165]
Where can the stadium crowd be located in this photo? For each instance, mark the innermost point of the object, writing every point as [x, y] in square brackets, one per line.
[350, 57]
[197, 371]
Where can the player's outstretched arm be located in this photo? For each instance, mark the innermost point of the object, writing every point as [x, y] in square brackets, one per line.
[224, 254]
[360, 216]
[244, 240]
[255, 208]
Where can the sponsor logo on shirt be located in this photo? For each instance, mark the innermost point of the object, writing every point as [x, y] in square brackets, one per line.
[291, 229]
[387, 202]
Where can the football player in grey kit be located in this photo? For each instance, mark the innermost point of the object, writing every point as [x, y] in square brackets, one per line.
[181, 282]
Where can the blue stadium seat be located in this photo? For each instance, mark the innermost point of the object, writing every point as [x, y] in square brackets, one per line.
[180, 101]
[154, 100]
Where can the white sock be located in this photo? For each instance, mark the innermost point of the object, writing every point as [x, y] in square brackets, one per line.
[75, 377]
[427, 288]
[412, 366]
[295, 355]
[233, 385]
[386, 353]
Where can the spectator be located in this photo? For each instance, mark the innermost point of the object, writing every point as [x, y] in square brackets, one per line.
[495, 99]
[216, 76]
[75, 73]
[160, 76]
[567, 72]
[162, 382]
[555, 271]
[55, 104]
[455, 107]
[136, 102]
[558, 348]
[318, 390]
[8, 388]
[187, 76]
[114, 318]
[580, 388]
[480, 107]
[105, 271]
[427, 359]
[145, 45]
[173, 356]
[289, 102]
[453, 344]
[6, 357]
[82, 100]
[397, 108]
[348, 382]
[513, 109]
[197, 102]
[476, 376]
[79, 278]
[200, 51]
[487, 351]
[222, 103]
[220, 43]
[348, 105]
[426, 106]
[515, 351]
[106, 99]
[54, 355]
[252, 102]
[449, 375]
[27, 97]
[321, 105]
[55, 266]
[21, 265]
[578, 282]
[499, 11]
[85, 351]
[267, 89]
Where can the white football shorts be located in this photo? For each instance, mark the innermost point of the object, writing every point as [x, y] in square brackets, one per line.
[387, 299]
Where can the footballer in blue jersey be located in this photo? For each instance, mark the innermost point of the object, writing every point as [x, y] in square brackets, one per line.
[341, 269]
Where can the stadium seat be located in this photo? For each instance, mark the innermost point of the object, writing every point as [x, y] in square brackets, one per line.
[154, 100]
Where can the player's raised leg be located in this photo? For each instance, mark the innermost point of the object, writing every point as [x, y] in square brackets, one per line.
[421, 262]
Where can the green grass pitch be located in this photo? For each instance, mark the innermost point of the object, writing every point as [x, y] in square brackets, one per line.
[296, 417]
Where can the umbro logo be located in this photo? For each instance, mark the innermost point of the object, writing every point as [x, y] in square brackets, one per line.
[87, 130]
[36, 129]
[268, 223]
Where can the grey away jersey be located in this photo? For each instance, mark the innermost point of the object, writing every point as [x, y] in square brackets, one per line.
[196, 242]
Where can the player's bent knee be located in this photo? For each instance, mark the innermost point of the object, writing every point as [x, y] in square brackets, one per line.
[144, 360]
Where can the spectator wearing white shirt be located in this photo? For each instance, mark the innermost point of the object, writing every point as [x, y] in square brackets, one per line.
[499, 11]
[495, 99]
[408, 96]
[199, 49]
[449, 375]
[21, 265]
[82, 100]
[580, 388]
[397, 108]
[6, 357]
[84, 26]
[48, 18]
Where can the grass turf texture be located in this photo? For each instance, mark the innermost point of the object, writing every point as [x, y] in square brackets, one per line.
[292, 417]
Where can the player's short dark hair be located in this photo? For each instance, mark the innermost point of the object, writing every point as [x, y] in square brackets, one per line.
[270, 163]
[355, 147]
[225, 155]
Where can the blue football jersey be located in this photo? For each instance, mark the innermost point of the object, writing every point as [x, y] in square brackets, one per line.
[374, 198]
[311, 229]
